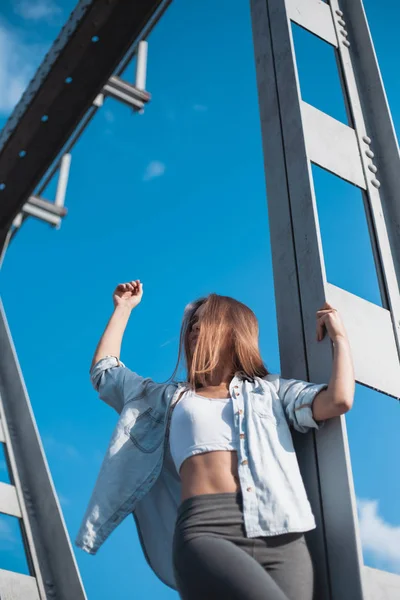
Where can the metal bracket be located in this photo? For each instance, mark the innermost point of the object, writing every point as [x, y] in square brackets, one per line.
[135, 95]
[49, 212]
[126, 92]
[43, 210]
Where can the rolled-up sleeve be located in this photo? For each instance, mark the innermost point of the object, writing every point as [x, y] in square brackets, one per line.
[115, 383]
[297, 398]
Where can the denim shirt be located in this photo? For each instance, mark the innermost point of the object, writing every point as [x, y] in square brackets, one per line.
[138, 474]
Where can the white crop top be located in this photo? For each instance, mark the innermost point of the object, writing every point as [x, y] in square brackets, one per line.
[200, 424]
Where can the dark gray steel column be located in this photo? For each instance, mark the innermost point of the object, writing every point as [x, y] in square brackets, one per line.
[32, 497]
[377, 117]
[295, 135]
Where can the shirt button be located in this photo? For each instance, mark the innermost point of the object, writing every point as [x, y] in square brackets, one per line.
[241, 436]
[245, 462]
[249, 489]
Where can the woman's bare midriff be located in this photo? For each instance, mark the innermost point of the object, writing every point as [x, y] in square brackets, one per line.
[210, 473]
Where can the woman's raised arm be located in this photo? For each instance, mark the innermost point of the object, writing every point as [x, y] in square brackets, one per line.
[125, 297]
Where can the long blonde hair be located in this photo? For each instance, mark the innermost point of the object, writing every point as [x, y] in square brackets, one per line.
[224, 322]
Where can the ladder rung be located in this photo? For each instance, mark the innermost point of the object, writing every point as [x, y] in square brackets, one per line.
[15, 586]
[9, 504]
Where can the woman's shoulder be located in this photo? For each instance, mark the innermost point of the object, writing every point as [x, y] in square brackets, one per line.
[273, 378]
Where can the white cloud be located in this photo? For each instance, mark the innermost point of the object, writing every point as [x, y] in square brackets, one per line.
[13, 73]
[154, 169]
[200, 108]
[378, 537]
[36, 10]
[18, 61]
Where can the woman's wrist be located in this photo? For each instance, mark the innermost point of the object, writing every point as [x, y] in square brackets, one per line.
[341, 340]
[123, 310]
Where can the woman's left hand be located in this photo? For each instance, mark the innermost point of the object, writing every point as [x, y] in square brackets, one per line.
[328, 319]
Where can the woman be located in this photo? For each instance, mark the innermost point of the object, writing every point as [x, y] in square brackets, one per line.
[207, 467]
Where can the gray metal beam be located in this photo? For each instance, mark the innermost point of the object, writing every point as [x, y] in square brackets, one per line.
[46, 205]
[126, 92]
[86, 53]
[15, 586]
[374, 197]
[314, 15]
[381, 585]
[9, 504]
[44, 210]
[332, 145]
[294, 135]
[286, 283]
[377, 117]
[49, 548]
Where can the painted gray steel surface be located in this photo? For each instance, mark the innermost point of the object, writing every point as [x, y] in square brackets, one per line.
[296, 134]
[32, 495]
[380, 585]
[377, 117]
[14, 586]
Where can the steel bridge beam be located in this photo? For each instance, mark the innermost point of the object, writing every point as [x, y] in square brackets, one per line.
[88, 50]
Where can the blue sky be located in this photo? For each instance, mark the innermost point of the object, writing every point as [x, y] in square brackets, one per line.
[175, 197]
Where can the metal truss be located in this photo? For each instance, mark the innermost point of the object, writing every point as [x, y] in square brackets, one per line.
[86, 57]
[365, 153]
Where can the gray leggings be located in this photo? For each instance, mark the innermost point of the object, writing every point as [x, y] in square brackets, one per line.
[214, 560]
